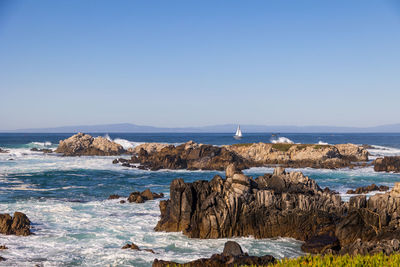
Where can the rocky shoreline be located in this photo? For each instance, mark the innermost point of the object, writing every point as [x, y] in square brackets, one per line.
[283, 205]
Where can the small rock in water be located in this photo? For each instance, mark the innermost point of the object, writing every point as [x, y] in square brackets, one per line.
[122, 201]
[114, 196]
[135, 247]
[3, 247]
[138, 197]
[232, 248]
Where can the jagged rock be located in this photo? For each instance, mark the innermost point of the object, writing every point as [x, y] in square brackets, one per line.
[135, 247]
[85, 145]
[141, 197]
[387, 164]
[367, 189]
[3, 247]
[239, 206]
[387, 247]
[19, 224]
[131, 246]
[232, 256]
[195, 156]
[114, 196]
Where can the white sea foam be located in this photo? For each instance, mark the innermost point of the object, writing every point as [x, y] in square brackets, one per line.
[283, 140]
[92, 234]
[381, 151]
[322, 143]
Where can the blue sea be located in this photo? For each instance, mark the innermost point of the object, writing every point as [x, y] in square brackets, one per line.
[75, 225]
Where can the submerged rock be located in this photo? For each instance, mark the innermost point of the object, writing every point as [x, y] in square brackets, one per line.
[44, 150]
[232, 256]
[141, 197]
[114, 196]
[19, 224]
[135, 247]
[367, 189]
[4, 151]
[387, 164]
[85, 145]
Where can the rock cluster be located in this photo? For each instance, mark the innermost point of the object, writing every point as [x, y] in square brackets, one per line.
[141, 197]
[232, 255]
[190, 156]
[367, 189]
[387, 164]
[19, 224]
[280, 204]
[85, 145]
[195, 156]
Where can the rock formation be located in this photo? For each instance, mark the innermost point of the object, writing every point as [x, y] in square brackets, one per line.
[3, 151]
[85, 145]
[280, 204]
[195, 156]
[44, 150]
[135, 247]
[367, 189]
[17, 225]
[387, 164]
[230, 257]
[140, 197]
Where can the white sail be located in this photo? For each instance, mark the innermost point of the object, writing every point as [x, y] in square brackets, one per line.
[238, 132]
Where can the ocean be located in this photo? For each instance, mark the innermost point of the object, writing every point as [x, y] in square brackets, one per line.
[75, 225]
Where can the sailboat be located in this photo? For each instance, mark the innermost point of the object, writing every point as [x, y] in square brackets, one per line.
[238, 134]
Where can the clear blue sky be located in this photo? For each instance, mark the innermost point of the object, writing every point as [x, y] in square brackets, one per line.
[194, 63]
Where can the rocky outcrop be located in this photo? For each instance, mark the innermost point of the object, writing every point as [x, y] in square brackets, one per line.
[387, 164]
[85, 145]
[19, 224]
[193, 156]
[4, 151]
[301, 155]
[367, 189]
[190, 156]
[280, 204]
[141, 197]
[231, 256]
[135, 247]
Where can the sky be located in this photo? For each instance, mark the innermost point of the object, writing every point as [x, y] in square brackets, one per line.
[195, 63]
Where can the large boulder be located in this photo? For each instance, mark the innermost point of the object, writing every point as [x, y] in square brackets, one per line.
[387, 164]
[82, 144]
[231, 256]
[19, 224]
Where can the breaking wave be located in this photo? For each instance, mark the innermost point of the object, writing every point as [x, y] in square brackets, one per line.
[281, 140]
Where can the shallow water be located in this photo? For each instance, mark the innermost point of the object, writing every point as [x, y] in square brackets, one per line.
[74, 224]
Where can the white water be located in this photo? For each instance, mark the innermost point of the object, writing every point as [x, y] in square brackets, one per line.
[283, 140]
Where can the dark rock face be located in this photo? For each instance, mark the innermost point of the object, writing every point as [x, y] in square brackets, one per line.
[232, 256]
[367, 189]
[280, 204]
[387, 164]
[190, 156]
[17, 225]
[141, 197]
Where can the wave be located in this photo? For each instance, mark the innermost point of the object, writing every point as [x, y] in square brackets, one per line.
[281, 140]
[126, 144]
[381, 151]
[45, 144]
[322, 143]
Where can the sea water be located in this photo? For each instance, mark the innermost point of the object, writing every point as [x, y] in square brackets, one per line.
[75, 225]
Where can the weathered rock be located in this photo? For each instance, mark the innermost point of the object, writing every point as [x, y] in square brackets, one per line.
[135, 247]
[290, 205]
[44, 150]
[114, 196]
[229, 258]
[19, 224]
[367, 189]
[141, 197]
[3, 247]
[387, 246]
[195, 156]
[85, 145]
[321, 244]
[387, 164]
